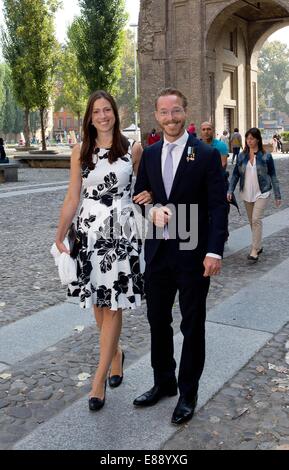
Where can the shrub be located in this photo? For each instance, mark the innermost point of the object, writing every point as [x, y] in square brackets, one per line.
[285, 136]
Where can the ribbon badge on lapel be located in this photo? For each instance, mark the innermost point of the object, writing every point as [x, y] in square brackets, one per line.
[191, 154]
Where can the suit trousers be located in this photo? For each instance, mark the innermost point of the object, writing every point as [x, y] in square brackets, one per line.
[164, 276]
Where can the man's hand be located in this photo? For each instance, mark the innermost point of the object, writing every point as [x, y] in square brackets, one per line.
[161, 216]
[212, 266]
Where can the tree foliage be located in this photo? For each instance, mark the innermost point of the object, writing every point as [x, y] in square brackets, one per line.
[273, 66]
[73, 91]
[30, 49]
[97, 37]
[11, 117]
[125, 95]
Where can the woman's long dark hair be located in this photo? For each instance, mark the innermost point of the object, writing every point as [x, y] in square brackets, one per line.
[120, 143]
[254, 132]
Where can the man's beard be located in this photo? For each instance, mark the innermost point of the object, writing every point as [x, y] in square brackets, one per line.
[177, 123]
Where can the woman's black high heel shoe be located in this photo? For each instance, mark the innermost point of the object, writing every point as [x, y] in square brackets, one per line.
[95, 403]
[115, 380]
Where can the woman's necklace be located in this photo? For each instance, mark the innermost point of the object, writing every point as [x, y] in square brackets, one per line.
[103, 146]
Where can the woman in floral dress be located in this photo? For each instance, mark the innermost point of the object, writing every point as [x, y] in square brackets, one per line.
[108, 268]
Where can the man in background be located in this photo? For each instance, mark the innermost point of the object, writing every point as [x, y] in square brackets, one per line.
[207, 136]
[236, 142]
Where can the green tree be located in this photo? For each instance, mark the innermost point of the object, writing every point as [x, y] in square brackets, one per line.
[73, 89]
[125, 95]
[2, 92]
[44, 56]
[30, 49]
[273, 75]
[15, 47]
[11, 117]
[97, 37]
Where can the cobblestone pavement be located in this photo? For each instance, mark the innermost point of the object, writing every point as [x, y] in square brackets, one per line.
[251, 410]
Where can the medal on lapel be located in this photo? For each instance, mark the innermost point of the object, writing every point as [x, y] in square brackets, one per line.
[191, 154]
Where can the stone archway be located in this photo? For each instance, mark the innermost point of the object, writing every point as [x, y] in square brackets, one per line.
[208, 49]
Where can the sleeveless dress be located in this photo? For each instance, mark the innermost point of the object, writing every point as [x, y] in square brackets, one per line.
[108, 265]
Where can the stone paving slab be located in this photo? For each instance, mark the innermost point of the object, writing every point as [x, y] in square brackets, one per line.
[240, 238]
[250, 412]
[20, 192]
[117, 426]
[32, 334]
[262, 305]
[30, 186]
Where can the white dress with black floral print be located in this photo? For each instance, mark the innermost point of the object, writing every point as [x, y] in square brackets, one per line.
[108, 264]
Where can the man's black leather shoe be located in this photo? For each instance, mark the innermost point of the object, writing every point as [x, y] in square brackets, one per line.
[184, 410]
[152, 396]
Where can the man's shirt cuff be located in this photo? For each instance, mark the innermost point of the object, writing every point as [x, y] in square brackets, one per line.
[213, 255]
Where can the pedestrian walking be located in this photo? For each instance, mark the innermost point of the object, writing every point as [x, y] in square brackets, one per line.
[208, 136]
[109, 277]
[256, 171]
[226, 140]
[236, 143]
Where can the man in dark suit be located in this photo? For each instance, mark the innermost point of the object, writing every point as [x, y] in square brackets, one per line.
[182, 173]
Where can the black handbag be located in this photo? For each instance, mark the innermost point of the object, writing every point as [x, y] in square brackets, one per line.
[74, 241]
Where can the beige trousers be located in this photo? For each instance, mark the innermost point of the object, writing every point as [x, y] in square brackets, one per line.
[255, 211]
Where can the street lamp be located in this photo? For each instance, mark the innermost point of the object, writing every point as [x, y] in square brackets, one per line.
[135, 25]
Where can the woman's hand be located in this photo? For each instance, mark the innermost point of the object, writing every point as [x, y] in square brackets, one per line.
[278, 202]
[61, 247]
[229, 197]
[145, 197]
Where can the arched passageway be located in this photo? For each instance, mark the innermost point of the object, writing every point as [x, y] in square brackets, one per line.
[209, 50]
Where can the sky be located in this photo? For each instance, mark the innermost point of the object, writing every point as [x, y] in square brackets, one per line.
[70, 9]
[281, 35]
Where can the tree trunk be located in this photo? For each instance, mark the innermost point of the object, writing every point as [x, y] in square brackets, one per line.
[26, 130]
[42, 128]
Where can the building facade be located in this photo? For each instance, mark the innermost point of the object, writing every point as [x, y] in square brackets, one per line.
[65, 123]
[209, 50]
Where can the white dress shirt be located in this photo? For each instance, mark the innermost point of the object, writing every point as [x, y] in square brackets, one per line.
[176, 152]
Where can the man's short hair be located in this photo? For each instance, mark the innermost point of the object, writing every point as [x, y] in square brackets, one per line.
[171, 91]
[208, 124]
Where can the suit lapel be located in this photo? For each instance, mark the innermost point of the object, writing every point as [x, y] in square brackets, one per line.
[183, 163]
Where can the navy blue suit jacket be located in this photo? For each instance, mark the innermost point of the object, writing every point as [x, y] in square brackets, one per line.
[200, 182]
